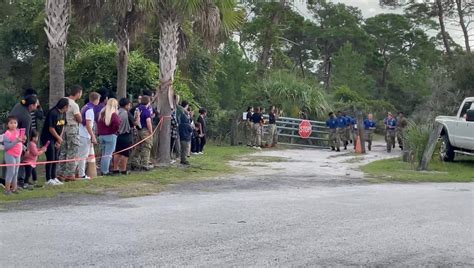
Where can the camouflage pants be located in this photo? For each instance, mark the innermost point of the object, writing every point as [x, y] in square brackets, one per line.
[250, 136]
[347, 134]
[142, 153]
[390, 139]
[257, 131]
[272, 134]
[69, 150]
[400, 137]
[341, 133]
[369, 136]
[334, 140]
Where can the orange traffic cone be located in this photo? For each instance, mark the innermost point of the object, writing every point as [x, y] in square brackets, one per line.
[358, 148]
[91, 169]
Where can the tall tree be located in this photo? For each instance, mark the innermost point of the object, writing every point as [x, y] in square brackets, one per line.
[210, 16]
[57, 25]
[464, 10]
[130, 17]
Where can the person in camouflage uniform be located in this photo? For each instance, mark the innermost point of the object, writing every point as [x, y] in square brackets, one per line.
[342, 129]
[141, 158]
[71, 140]
[334, 140]
[401, 125]
[390, 128]
[369, 126]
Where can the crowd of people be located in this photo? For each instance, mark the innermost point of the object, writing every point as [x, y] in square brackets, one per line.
[343, 130]
[69, 135]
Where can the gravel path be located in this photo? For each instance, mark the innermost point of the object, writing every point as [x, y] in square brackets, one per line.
[310, 208]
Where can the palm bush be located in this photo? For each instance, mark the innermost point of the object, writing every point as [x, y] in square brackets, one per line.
[416, 140]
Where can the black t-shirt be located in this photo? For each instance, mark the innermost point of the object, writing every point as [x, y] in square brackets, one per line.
[202, 121]
[256, 118]
[54, 119]
[271, 118]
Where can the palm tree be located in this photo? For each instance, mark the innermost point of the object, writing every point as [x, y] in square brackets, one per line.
[57, 25]
[130, 18]
[209, 18]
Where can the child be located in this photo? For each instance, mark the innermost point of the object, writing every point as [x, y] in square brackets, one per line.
[13, 144]
[31, 157]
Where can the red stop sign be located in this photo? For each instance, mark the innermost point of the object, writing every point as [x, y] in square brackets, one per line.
[305, 129]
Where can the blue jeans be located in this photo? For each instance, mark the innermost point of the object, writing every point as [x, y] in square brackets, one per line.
[107, 145]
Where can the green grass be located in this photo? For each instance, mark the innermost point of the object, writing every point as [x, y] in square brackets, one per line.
[213, 163]
[396, 170]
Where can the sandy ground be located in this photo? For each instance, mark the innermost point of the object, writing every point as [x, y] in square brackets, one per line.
[293, 208]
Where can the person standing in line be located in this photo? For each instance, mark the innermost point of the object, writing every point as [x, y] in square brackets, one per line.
[369, 126]
[202, 120]
[86, 133]
[125, 137]
[104, 97]
[390, 128]
[334, 140]
[31, 157]
[142, 158]
[185, 133]
[13, 144]
[174, 136]
[107, 127]
[249, 126]
[348, 128]
[257, 120]
[70, 146]
[401, 126]
[341, 129]
[52, 132]
[37, 114]
[22, 112]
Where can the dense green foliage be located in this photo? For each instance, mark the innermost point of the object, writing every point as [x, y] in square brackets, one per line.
[94, 67]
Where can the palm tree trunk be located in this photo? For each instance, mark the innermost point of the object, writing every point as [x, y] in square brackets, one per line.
[168, 59]
[57, 25]
[463, 25]
[444, 34]
[122, 62]
[56, 75]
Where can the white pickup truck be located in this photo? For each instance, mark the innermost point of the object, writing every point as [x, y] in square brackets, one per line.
[457, 135]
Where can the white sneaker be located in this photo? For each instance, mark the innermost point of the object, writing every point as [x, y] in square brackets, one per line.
[173, 161]
[51, 182]
[85, 177]
[200, 153]
[58, 182]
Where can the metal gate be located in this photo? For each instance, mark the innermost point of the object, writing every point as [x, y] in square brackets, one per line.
[288, 129]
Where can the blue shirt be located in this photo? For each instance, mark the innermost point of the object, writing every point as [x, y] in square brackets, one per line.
[391, 123]
[341, 122]
[332, 123]
[369, 124]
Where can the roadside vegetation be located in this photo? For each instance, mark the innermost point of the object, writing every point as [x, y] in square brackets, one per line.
[395, 170]
[214, 163]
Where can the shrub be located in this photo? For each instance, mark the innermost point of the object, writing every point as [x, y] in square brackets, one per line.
[416, 140]
[95, 66]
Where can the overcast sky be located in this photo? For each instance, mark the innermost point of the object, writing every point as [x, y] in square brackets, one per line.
[371, 8]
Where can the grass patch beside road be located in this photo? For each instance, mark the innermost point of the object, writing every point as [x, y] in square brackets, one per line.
[213, 163]
[396, 170]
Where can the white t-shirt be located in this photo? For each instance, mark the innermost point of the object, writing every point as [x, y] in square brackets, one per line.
[73, 110]
[82, 129]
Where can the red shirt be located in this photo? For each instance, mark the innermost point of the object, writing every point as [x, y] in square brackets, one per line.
[103, 129]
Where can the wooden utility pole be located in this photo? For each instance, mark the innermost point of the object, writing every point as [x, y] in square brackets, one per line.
[430, 147]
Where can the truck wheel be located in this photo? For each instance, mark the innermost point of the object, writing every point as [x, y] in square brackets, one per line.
[446, 150]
